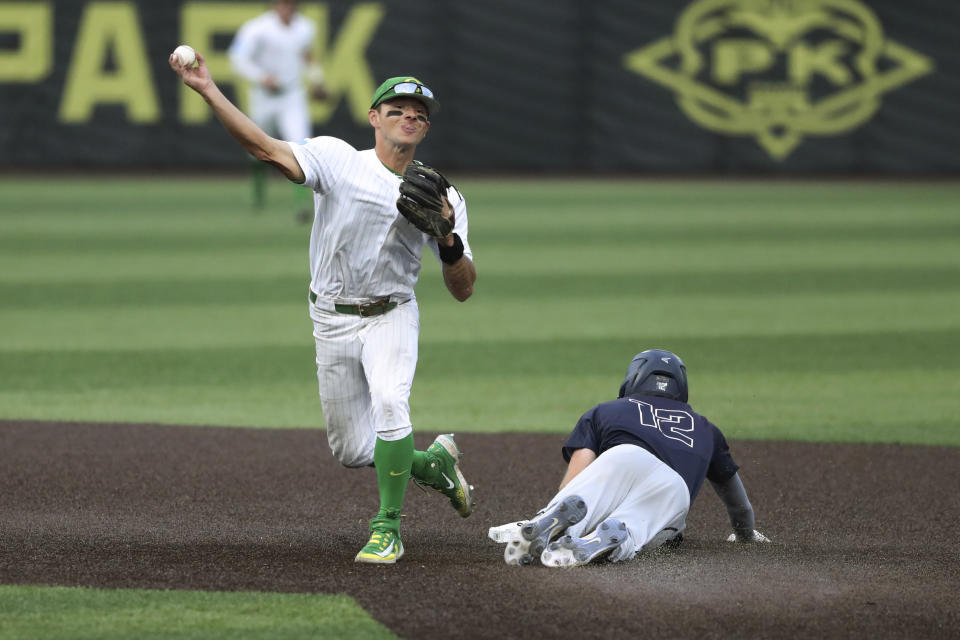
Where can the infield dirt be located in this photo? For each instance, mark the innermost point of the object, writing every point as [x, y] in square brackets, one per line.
[865, 536]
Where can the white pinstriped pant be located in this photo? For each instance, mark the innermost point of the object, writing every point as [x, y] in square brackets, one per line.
[631, 484]
[365, 370]
[283, 115]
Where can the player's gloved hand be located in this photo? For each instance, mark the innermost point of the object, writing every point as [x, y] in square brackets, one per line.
[421, 200]
[755, 536]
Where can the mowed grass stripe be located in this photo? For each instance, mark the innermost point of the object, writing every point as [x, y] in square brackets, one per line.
[156, 328]
[491, 259]
[165, 240]
[885, 404]
[868, 407]
[485, 320]
[223, 192]
[800, 353]
[643, 235]
[865, 406]
[659, 279]
[153, 293]
[700, 210]
[108, 197]
[638, 229]
[42, 613]
[634, 257]
[812, 198]
[119, 266]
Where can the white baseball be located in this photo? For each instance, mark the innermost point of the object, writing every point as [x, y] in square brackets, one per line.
[185, 55]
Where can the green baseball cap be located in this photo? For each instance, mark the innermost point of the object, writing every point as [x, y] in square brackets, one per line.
[405, 87]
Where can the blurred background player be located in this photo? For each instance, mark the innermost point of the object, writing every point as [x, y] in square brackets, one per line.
[273, 53]
[635, 465]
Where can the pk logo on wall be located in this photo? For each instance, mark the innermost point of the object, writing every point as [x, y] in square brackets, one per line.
[779, 70]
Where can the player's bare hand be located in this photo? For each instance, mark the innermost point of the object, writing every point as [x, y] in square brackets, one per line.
[196, 77]
[316, 78]
[448, 213]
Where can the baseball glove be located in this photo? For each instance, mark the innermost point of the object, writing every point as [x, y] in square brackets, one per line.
[421, 199]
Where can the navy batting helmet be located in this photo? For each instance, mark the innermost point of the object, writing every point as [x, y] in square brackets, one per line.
[656, 373]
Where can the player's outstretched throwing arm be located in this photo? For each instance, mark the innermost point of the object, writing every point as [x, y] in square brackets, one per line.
[739, 509]
[243, 129]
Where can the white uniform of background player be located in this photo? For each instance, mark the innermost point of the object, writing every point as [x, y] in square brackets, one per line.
[365, 258]
[272, 55]
[272, 52]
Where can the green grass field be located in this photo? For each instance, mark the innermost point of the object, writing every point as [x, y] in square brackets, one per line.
[804, 311]
[45, 613]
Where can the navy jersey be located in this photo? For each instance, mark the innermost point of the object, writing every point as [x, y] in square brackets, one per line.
[681, 438]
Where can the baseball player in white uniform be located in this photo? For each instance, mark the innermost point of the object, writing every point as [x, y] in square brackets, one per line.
[635, 465]
[272, 52]
[364, 261]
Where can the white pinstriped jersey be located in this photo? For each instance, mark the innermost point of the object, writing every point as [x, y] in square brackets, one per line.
[361, 248]
[265, 46]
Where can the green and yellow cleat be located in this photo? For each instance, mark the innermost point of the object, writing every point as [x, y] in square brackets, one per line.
[450, 481]
[384, 547]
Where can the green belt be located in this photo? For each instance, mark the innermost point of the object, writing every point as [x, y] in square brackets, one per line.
[364, 310]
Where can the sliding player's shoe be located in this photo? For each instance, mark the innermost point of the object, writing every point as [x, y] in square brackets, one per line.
[569, 551]
[527, 547]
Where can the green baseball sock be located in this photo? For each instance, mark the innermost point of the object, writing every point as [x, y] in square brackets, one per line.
[302, 197]
[421, 468]
[303, 203]
[258, 173]
[392, 460]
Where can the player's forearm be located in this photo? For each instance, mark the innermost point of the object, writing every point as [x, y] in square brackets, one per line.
[237, 124]
[739, 509]
[742, 521]
[579, 460]
[459, 278]
[250, 136]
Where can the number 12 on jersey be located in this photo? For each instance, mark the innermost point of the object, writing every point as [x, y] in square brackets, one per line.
[672, 423]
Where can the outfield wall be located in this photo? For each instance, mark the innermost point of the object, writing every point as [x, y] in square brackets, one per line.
[762, 86]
